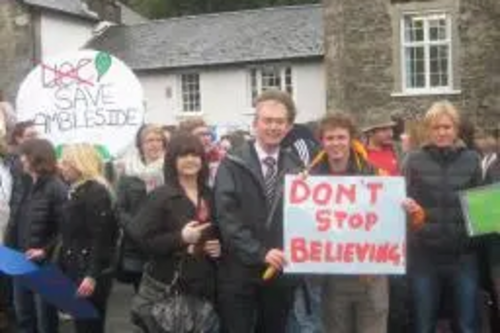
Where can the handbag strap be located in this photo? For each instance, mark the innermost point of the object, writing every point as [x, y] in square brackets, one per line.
[177, 273]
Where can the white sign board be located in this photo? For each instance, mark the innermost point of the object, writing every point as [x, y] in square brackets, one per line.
[345, 225]
[85, 96]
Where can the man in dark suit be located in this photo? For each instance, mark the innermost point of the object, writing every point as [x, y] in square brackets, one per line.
[248, 204]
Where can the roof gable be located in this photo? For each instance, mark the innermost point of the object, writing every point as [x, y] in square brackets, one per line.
[217, 39]
[72, 7]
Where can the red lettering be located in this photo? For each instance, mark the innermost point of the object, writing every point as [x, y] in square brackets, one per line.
[323, 222]
[374, 191]
[322, 193]
[340, 216]
[330, 252]
[298, 249]
[382, 253]
[347, 192]
[315, 248]
[394, 256]
[362, 251]
[356, 221]
[371, 221]
[299, 192]
[349, 253]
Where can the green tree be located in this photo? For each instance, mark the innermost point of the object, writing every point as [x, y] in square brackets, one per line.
[171, 8]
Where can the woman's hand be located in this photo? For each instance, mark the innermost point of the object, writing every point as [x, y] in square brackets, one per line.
[86, 288]
[416, 212]
[192, 232]
[212, 248]
[35, 254]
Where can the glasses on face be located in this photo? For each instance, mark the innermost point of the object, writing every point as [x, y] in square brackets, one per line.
[274, 121]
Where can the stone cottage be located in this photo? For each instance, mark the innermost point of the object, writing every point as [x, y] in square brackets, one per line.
[401, 55]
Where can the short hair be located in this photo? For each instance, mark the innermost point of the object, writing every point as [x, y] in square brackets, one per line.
[189, 125]
[41, 155]
[280, 97]
[183, 144]
[337, 120]
[19, 130]
[145, 130]
[439, 109]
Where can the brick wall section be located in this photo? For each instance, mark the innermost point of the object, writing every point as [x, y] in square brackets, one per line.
[16, 46]
[360, 65]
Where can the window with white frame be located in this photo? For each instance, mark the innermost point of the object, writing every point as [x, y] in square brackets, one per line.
[426, 52]
[191, 96]
[270, 77]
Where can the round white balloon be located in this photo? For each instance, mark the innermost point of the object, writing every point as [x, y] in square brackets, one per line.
[85, 96]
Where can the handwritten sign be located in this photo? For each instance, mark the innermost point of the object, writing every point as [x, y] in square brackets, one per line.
[345, 225]
[85, 96]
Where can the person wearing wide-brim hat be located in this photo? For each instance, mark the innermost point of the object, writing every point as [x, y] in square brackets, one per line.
[378, 130]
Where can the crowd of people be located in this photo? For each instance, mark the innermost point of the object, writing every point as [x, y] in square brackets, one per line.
[195, 225]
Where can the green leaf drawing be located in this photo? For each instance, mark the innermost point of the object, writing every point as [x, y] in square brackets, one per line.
[102, 64]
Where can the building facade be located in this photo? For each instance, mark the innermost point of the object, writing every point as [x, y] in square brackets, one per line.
[402, 55]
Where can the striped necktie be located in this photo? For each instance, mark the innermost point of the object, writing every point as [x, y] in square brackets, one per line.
[270, 178]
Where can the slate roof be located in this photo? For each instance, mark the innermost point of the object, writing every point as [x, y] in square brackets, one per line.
[73, 7]
[218, 39]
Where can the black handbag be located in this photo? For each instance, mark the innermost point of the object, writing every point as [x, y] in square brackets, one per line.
[178, 312]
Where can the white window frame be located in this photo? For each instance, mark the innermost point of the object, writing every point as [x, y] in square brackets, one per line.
[190, 101]
[426, 44]
[285, 72]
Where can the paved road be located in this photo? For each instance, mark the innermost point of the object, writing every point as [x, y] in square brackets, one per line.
[118, 316]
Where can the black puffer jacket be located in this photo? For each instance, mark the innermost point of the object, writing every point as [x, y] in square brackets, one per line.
[41, 213]
[434, 178]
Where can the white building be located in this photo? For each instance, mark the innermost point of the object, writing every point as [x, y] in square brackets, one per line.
[214, 65]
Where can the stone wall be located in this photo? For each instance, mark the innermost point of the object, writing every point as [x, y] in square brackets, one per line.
[360, 64]
[17, 49]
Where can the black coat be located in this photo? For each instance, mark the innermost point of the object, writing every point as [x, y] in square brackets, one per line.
[157, 230]
[88, 230]
[131, 194]
[40, 214]
[248, 224]
[20, 185]
[434, 178]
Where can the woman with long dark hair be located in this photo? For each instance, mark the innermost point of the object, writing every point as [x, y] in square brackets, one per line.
[175, 231]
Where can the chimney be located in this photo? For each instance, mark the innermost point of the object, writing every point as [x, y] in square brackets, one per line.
[107, 10]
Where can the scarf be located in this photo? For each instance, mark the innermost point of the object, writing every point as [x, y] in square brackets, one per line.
[151, 174]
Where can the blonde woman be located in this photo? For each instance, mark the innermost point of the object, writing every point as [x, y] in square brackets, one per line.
[89, 231]
[441, 257]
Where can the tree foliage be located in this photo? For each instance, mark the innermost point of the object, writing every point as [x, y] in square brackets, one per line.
[171, 8]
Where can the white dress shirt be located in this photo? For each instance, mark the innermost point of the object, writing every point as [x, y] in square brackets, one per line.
[261, 154]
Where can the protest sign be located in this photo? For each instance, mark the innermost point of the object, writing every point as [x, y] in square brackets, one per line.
[84, 96]
[481, 208]
[345, 225]
[48, 281]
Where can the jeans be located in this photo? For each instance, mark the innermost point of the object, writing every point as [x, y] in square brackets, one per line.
[429, 282]
[33, 315]
[300, 320]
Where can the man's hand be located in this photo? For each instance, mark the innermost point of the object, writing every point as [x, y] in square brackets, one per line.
[276, 259]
